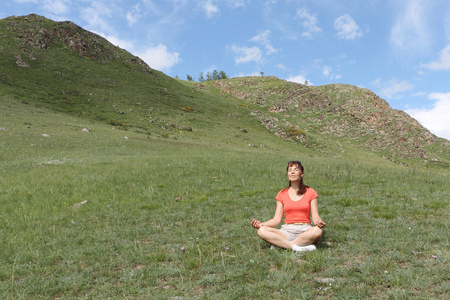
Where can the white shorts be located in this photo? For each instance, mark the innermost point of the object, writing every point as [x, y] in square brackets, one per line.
[292, 231]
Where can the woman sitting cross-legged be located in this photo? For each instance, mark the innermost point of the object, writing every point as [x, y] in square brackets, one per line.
[298, 204]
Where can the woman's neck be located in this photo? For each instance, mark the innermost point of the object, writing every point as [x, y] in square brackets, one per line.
[295, 185]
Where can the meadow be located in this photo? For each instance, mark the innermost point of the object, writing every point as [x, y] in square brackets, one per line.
[95, 215]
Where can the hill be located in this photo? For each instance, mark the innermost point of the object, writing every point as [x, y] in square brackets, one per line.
[335, 110]
[60, 66]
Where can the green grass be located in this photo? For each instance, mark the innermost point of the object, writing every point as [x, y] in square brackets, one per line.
[387, 233]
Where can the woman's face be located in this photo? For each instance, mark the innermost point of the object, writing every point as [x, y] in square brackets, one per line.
[294, 173]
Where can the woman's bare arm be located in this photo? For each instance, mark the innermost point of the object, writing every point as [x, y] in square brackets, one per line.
[274, 221]
[315, 214]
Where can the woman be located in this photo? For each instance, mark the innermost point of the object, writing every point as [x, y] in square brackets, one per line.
[297, 203]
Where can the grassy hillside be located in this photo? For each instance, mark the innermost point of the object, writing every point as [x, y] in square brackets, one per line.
[93, 215]
[120, 182]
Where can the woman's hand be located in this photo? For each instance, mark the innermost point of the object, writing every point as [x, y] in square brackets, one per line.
[320, 224]
[256, 224]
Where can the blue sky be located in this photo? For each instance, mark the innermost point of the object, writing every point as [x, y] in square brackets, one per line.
[399, 49]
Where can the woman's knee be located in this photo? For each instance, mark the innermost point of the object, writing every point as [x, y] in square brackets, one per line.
[316, 232]
[262, 231]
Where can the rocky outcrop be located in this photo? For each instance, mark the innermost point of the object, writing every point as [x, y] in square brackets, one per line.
[37, 32]
[338, 110]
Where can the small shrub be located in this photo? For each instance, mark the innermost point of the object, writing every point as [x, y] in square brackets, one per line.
[294, 132]
[188, 109]
[116, 123]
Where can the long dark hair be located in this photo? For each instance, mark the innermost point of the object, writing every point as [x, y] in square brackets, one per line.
[302, 187]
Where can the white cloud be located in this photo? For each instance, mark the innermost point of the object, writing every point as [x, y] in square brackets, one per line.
[124, 44]
[299, 79]
[326, 71]
[131, 18]
[443, 63]
[347, 28]
[209, 8]
[435, 119]
[57, 6]
[159, 58]
[419, 94]
[410, 33]
[26, 1]
[281, 67]
[94, 16]
[309, 22]
[392, 88]
[245, 54]
[263, 38]
[133, 15]
[237, 3]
